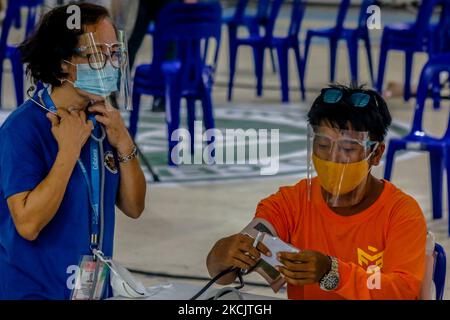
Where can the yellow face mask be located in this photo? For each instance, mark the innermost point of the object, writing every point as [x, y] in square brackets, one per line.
[340, 178]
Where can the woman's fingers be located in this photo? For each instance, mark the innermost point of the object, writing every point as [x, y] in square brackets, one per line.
[53, 119]
[100, 108]
[103, 120]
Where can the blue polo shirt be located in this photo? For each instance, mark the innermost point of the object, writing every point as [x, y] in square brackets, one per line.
[40, 269]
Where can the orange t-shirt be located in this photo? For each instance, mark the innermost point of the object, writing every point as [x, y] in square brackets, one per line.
[391, 234]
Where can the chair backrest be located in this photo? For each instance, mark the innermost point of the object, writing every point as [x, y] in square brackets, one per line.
[435, 65]
[273, 12]
[424, 15]
[342, 13]
[13, 17]
[298, 11]
[363, 14]
[239, 12]
[442, 30]
[188, 30]
[262, 11]
[440, 265]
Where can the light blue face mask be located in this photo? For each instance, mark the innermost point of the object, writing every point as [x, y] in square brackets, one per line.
[99, 82]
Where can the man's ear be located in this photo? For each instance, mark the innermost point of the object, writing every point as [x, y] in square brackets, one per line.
[378, 153]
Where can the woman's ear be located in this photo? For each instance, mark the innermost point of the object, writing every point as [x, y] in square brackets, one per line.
[64, 67]
[376, 157]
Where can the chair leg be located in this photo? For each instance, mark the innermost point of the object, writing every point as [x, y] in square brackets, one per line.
[233, 56]
[382, 66]
[272, 59]
[298, 59]
[208, 119]
[369, 58]
[437, 170]
[389, 161]
[283, 56]
[259, 68]
[436, 91]
[333, 53]
[191, 120]
[409, 56]
[305, 56]
[134, 115]
[1, 81]
[352, 45]
[173, 97]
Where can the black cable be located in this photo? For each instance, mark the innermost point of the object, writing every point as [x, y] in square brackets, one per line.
[217, 277]
[147, 164]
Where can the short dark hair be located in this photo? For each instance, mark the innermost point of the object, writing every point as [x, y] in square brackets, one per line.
[53, 41]
[374, 118]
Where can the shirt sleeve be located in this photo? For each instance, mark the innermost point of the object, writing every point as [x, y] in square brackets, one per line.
[403, 266]
[278, 209]
[21, 166]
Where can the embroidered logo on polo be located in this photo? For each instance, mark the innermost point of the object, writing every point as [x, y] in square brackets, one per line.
[373, 257]
[110, 163]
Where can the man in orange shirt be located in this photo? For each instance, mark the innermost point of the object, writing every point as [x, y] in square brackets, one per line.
[359, 237]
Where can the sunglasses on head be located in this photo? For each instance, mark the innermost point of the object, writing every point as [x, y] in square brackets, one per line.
[357, 99]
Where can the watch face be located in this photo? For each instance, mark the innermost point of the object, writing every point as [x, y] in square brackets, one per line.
[331, 282]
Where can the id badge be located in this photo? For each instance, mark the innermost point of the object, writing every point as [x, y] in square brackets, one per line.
[90, 279]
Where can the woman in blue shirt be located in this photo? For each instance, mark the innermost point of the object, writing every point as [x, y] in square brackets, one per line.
[45, 203]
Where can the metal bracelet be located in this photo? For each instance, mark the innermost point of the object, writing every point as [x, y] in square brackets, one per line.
[128, 157]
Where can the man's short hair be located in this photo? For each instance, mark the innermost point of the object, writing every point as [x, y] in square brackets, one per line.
[374, 117]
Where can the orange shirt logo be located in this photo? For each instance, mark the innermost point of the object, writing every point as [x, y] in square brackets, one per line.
[372, 258]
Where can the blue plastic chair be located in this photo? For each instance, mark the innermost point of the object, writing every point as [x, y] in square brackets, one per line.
[351, 36]
[253, 23]
[418, 140]
[190, 27]
[259, 43]
[440, 269]
[13, 19]
[409, 38]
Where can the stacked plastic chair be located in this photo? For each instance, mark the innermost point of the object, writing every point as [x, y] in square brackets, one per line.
[189, 28]
[419, 36]
[260, 42]
[418, 140]
[13, 18]
[351, 36]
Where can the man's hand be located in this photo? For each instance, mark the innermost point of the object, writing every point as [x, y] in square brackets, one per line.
[238, 251]
[305, 267]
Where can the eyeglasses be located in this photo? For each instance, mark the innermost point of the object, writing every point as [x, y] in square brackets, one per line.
[97, 57]
[356, 99]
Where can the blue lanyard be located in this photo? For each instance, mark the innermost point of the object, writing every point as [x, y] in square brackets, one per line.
[93, 184]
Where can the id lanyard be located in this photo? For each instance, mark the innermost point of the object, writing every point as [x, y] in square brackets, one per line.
[93, 184]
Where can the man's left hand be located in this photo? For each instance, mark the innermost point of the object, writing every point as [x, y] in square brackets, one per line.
[305, 267]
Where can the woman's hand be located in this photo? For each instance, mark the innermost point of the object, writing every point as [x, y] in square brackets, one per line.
[302, 268]
[71, 130]
[116, 130]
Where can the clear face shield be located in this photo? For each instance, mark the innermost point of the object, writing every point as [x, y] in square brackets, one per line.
[338, 164]
[105, 70]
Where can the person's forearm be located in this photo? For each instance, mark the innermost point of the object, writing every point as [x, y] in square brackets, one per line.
[215, 266]
[40, 205]
[132, 189]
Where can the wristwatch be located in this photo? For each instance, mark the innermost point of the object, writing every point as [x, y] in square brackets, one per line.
[330, 280]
